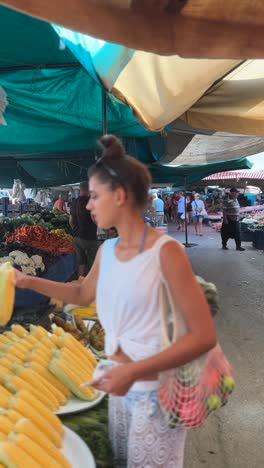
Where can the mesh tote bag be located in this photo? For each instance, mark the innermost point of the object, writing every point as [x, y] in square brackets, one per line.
[189, 393]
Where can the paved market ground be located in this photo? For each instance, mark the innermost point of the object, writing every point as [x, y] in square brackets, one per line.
[233, 438]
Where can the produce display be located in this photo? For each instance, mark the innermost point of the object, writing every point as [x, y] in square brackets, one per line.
[62, 233]
[51, 366]
[38, 236]
[50, 219]
[28, 265]
[86, 312]
[89, 334]
[48, 258]
[92, 427]
[7, 292]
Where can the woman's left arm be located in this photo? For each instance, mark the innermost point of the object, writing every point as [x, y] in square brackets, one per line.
[201, 335]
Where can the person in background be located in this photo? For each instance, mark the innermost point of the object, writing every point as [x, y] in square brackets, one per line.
[60, 204]
[125, 280]
[181, 212]
[174, 207]
[231, 216]
[166, 210]
[84, 230]
[189, 209]
[198, 208]
[158, 206]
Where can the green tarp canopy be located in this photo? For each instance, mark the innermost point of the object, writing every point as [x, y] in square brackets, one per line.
[54, 114]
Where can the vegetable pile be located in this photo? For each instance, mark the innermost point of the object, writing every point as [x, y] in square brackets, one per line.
[38, 236]
[29, 265]
[48, 258]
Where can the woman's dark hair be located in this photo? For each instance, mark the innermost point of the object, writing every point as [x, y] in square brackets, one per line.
[118, 169]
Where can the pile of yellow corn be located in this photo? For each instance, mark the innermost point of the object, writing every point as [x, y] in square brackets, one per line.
[7, 292]
[50, 366]
[31, 435]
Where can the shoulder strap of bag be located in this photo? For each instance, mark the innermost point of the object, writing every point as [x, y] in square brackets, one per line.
[170, 316]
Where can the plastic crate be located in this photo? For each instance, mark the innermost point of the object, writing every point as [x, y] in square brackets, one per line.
[247, 236]
[258, 241]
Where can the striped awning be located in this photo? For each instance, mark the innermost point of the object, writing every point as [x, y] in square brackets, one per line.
[236, 175]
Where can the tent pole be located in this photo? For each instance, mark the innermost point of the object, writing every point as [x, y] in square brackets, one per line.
[186, 243]
[104, 111]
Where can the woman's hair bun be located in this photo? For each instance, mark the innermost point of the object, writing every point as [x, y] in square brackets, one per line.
[112, 147]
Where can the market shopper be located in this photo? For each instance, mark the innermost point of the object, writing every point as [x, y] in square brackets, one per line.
[231, 216]
[181, 211]
[60, 204]
[84, 230]
[158, 207]
[199, 212]
[189, 209]
[125, 280]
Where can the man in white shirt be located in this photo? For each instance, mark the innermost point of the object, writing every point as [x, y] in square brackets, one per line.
[181, 212]
[158, 206]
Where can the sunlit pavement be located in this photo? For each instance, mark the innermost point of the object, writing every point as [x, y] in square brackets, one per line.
[233, 437]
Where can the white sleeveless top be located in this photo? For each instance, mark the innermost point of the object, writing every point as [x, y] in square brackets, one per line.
[127, 300]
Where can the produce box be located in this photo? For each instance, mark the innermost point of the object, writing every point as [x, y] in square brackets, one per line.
[258, 240]
[61, 271]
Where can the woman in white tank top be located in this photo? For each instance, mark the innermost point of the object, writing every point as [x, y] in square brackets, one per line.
[124, 281]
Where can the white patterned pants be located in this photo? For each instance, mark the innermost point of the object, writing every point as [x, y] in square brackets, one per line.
[139, 434]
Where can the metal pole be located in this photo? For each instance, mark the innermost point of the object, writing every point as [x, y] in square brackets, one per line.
[104, 111]
[186, 243]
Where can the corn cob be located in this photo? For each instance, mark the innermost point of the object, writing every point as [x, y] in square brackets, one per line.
[73, 382]
[21, 409]
[46, 374]
[19, 330]
[44, 353]
[11, 336]
[26, 427]
[4, 372]
[3, 340]
[15, 349]
[69, 357]
[2, 437]
[11, 414]
[5, 362]
[77, 368]
[5, 424]
[38, 332]
[48, 343]
[57, 331]
[34, 450]
[79, 350]
[41, 410]
[15, 383]
[4, 401]
[39, 384]
[13, 358]
[27, 345]
[13, 456]
[4, 391]
[43, 382]
[31, 339]
[35, 356]
[7, 292]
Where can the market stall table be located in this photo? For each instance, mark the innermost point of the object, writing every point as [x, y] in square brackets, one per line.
[61, 271]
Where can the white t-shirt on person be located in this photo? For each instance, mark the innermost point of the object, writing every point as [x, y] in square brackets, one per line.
[198, 206]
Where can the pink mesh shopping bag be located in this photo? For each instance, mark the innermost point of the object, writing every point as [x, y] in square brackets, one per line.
[188, 394]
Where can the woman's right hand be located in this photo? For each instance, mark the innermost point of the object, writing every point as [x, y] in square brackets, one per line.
[21, 280]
